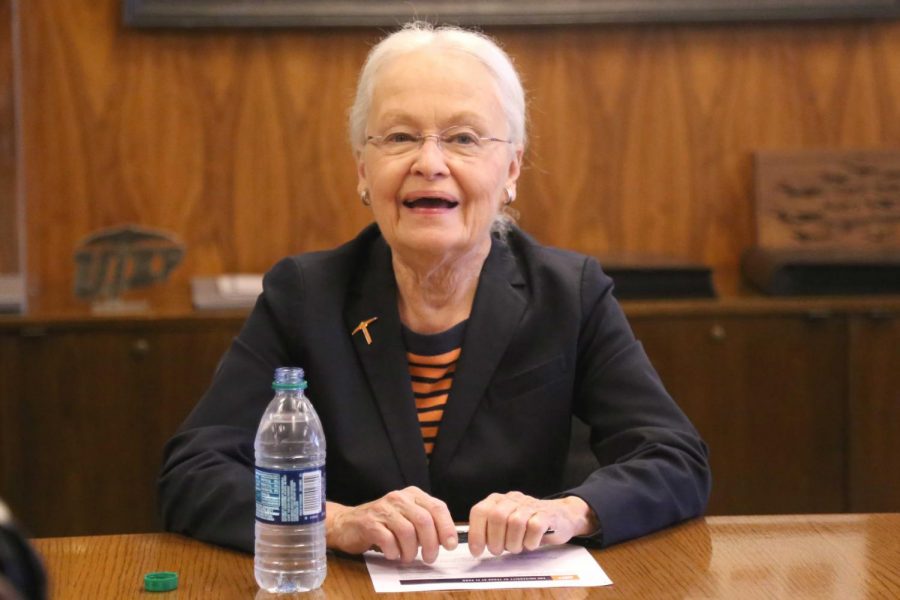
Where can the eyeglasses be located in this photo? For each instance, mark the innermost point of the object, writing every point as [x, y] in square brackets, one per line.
[459, 140]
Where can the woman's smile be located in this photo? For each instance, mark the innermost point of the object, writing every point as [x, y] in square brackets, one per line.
[430, 203]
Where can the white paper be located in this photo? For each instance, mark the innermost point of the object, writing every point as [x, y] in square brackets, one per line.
[239, 285]
[549, 566]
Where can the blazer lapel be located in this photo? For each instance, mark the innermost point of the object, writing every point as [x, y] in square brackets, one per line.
[384, 361]
[497, 309]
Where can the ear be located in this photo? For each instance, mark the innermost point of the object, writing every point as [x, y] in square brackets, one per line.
[515, 168]
[362, 183]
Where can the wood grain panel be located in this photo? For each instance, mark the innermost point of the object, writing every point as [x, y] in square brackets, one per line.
[9, 364]
[236, 142]
[86, 416]
[793, 556]
[9, 213]
[874, 413]
[642, 135]
[771, 411]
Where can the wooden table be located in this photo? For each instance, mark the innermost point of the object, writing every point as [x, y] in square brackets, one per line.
[804, 556]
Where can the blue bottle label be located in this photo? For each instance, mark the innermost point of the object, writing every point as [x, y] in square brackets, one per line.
[290, 497]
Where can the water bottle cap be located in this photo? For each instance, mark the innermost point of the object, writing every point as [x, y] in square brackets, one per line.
[163, 581]
[289, 378]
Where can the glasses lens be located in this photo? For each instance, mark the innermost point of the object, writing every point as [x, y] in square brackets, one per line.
[462, 141]
[399, 142]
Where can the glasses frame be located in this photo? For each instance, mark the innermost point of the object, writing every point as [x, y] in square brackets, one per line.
[420, 139]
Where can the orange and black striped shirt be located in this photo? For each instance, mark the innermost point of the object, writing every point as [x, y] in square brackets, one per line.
[432, 364]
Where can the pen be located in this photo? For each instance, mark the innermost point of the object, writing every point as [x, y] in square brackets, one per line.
[463, 537]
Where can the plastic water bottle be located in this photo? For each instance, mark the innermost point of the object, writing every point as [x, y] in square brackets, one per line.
[290, 490]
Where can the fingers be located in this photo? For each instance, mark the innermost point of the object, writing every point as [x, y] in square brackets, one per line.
[402, 524]
[537, 527]
[514, 522]
[433, 523]
[424, 530]
[383, 540]
[441, 520]
[478, 518]
[411, 519]
[399, 524]
[498, 525]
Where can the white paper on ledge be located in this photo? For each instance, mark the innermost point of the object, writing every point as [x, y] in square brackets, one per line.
[550, 566]
[240, 285]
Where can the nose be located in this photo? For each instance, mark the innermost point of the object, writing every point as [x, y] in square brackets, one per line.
[430, 161]
[435, 137]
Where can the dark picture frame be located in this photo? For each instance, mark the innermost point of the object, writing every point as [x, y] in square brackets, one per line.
[363, 13]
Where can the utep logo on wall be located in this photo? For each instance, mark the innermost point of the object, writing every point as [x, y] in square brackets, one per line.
[118, 259]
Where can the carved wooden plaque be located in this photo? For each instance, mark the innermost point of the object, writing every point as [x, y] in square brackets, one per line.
[828, 200]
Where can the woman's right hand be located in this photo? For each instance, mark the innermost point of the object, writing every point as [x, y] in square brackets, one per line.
[398, 523]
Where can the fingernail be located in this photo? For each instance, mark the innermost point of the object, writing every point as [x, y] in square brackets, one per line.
[451, 542]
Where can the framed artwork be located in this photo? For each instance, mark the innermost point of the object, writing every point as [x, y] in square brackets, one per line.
[360, 13]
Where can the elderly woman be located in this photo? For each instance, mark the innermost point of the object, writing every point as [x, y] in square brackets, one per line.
[446, 351]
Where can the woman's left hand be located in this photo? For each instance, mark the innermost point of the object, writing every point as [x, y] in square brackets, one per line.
[515, 522]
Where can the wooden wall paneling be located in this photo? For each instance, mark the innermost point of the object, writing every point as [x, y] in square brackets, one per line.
[9, 210]
[176, 370]
[79, 435]
[770, 409]
[642, 136]
[10, 395]
[236, 141]
[94, 409]
[874, 413]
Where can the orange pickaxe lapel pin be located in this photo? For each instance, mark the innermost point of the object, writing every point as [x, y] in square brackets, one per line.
[364, 327]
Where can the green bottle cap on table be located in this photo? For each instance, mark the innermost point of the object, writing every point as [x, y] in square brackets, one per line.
[163, 581]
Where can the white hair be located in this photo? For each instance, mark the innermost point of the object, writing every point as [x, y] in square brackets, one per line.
[418, 35]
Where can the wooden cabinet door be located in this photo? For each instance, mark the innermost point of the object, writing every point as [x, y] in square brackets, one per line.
[767, 395]
[93, 411]
[874, 403]
[9, 392]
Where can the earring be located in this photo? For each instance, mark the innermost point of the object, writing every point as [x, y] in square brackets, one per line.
[510, 197]
[364, 198]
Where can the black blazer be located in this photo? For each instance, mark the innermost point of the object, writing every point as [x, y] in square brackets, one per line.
[545, 341]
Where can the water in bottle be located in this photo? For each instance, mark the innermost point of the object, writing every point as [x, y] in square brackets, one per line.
[290, 490]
